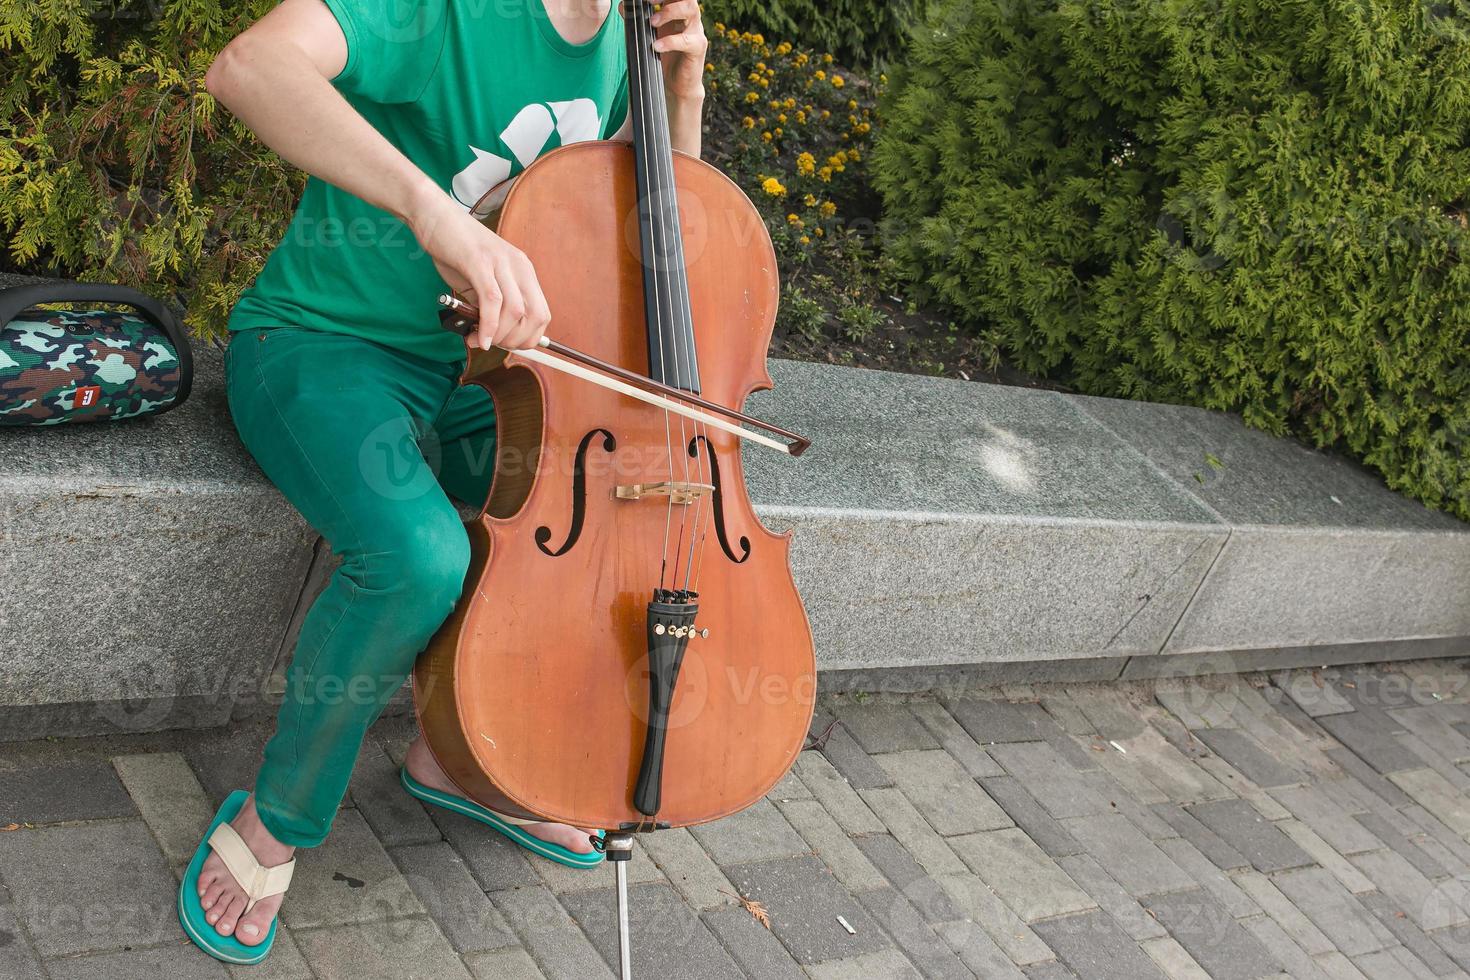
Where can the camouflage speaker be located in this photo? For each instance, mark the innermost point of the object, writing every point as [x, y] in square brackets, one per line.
[88, 364]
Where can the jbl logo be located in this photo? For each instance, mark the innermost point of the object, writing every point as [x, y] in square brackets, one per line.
[87, 396]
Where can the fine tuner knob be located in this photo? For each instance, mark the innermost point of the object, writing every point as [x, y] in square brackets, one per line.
[688, 631]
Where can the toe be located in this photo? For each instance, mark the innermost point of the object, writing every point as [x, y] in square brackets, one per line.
[229, 915]
[253, 927]
[212, 895]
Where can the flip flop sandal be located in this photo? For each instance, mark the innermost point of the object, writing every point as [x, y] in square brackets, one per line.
[258, 882]
[507, 825]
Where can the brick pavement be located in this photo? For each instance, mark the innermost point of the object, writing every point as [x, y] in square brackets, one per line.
[1304, 824]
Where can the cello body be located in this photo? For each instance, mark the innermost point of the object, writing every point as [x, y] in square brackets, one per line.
[535, 695]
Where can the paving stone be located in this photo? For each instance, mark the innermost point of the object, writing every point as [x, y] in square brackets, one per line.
[284, 963]
[1205, 840]
[555, 942]
[955, 740]
[1210, 933]
[1266, 847]
[1453, 775]
[1131, 858]
[1425, 822]
[1050, 779]
[1369, 733]
[396, 817]
[496, 862]
[1319, 811]
[1093, 946]
[1299, 966]
[1433, 792]
[170, 799]
[503, 964]
[1400, 842]
[1302, 928]
[1367, 776]
[1173, 959]
[1119, 801]
[837, 797]
[1435, 731]
[1338, 967]
[226, 760]
[1319, 896]
[1455, 942]
[757, 833]
[690, 870]
[881, 727]
[1341, 868]
[919, 943]
[1243, 788]
[86, 789]
[1082, 751]
[1048, 971]
[562, 879]
[1392, 964]
[941, 790]
[90, 887]
[1396, 921]
[790, 787]
[1021, 874]
[1431, 905]
[1308, 691]
[899, 868]
[804, 901]
[983, 907]
[1111, 897]
[849, 758]
[1217, 882]
[1116, 713]
[1030, 816]
[443, 883]
[978, 951]
[348, 879]
[177, 961]
[754, 947]
[17, 960]
[837, 851]
[911, 830]
[1246, 755]
[667, 938]
[397, 949]
[1001, 721]
[887, 964]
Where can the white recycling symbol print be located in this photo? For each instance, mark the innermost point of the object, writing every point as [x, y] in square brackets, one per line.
[527, 135]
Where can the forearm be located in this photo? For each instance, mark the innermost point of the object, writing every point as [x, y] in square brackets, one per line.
[686, 123]
[283, 97]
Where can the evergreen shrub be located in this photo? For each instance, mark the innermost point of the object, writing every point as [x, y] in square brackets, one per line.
[863, 33]
[1250, 205]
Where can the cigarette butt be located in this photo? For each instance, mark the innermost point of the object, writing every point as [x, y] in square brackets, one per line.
[1117, 746]
[843, 923]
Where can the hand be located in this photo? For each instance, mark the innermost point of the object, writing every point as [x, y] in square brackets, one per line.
[485, 269]
[683, 45]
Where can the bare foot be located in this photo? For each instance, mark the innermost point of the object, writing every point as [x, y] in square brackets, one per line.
[421, 766]
[222, 897]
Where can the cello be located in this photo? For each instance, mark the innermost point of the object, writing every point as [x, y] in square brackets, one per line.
[630, 651]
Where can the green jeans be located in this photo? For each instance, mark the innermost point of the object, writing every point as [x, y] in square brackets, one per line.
[368, 444]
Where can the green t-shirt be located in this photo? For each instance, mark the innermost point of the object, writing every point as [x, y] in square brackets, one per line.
[472, 93]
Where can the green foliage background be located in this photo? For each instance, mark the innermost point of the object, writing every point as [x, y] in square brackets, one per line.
[856, 32]
[1252, 205]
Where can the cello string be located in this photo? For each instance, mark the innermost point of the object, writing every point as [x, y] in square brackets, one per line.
[653, 318]
[664, 241]
[685, 352]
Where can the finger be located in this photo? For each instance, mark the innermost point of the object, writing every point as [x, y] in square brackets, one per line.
[685, 42]
[489, 306]
[687, 10]
[512, 312]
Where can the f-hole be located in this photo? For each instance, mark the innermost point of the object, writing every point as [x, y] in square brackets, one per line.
[579, 494]
[717, 504]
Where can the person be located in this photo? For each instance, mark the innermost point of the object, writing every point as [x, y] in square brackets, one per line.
[344, 387]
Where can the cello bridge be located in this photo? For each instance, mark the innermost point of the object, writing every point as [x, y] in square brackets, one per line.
[682, 491]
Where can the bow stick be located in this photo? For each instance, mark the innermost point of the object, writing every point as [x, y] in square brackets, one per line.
[461, 316]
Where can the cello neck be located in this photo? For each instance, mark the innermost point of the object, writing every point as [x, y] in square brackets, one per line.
[671, 354]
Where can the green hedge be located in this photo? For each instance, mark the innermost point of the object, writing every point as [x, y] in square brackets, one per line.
[858, 32]
[1251, 205]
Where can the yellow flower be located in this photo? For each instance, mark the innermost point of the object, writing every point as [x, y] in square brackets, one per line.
[800, 117]
[810, 199]
[774, 104]
[752, 97]
[806, 165]
[837, 159]
[853, 156]
[767, 136]
[795, 221]
[778, 131]
[783, 48]
[806, 240]
[826, 113]
[882, 78]
[709, 66]
[851, 103]
[748, 123]
[781, 118]
[863, 128]
[828, 209]
[773, 187]
[819, 231]
[765, 83]
[826, 174]
[719, 27]
[819, 75]
[752, 77]
[801, 59]
[760, 66]
[837, 81]
[758, 38]
[733, 35]
[790, 103]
